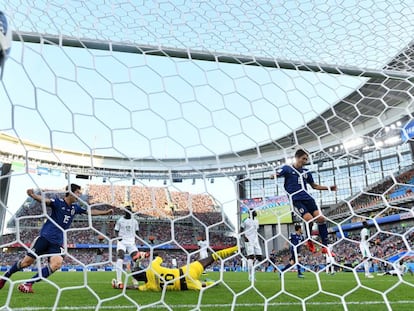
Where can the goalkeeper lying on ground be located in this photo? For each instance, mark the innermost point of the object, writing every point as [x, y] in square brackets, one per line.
[186, 277]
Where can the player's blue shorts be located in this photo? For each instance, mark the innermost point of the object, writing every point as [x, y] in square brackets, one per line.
[303, 207]
[42, 246]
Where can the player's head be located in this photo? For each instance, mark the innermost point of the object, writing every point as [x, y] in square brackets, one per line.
[128, 211]
[301, 157]
[5, 41]
[74, 190]
[253, 214]
[298, 227]
[365, 224]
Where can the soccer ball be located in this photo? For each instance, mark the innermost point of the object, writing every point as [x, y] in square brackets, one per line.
[5, 41]
[117, 285]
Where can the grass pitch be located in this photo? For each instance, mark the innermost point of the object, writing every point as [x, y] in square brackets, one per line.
[93, 291]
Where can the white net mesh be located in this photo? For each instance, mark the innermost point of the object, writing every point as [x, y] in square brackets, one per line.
[183, 110]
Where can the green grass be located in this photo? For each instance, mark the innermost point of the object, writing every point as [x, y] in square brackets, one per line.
[82, 291]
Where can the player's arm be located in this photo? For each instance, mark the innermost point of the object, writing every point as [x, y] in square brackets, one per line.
[244, 235]
[279, 172]
[97, 212]
[37, 197]
[319, 187]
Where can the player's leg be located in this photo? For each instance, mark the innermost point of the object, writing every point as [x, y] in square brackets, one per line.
[290, 263]
[322, 227]
[249, 249]
[258, 257]
[224, 253]
[366, 255]
[307, 217]
[301, 208]
[333, 267]
[299, 266]
[54, 263]
[138, 274]
[120, 255]
[135, 258]
[36, 248]
[250, 270]
[43, 246]
[19, 265]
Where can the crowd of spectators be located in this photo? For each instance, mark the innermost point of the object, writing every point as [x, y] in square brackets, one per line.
[387, 242]
[181, 218]
[388, 190]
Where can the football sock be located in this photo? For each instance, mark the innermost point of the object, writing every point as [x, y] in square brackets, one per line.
[323, 232]
[224, 252]
[250, 267]
[366, 267]
[118, 268]
[309, 226]
[45, 273]
[16, 267]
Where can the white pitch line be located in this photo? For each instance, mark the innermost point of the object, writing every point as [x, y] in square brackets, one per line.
[245, 305]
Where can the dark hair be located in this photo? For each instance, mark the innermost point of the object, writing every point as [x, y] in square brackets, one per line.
[297, 227]
[73, 188]
[300, 152]
[365, 224]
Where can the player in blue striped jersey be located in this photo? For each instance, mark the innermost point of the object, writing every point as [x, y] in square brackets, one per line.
[50, 241]
[297, 178]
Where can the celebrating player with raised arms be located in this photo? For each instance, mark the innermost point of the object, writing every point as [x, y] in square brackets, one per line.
[297, 178]
[50, 241]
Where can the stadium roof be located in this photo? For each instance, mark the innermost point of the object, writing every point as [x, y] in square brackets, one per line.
[382, 57]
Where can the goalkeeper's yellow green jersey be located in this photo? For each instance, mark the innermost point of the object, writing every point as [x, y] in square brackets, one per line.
[159, 277]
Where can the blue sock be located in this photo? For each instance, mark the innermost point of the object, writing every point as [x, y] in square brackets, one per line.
[15, 268]
[45, 273]
[323, 232]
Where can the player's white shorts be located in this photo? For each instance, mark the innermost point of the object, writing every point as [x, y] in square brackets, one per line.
[128, 248]
[253, 248]
[365, 250]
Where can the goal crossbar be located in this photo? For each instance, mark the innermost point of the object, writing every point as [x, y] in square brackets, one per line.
[186, 53]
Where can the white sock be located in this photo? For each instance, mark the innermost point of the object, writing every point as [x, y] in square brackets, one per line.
[118, 268]
[250, 267]
[366, 267]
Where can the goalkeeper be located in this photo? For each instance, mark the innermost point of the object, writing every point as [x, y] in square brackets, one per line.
[187, 277]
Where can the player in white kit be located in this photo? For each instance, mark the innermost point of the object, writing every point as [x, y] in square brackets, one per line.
[126, 228]
[364, 247]
[249, 228]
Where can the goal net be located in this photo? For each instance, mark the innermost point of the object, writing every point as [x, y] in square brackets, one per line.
[184, 110]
